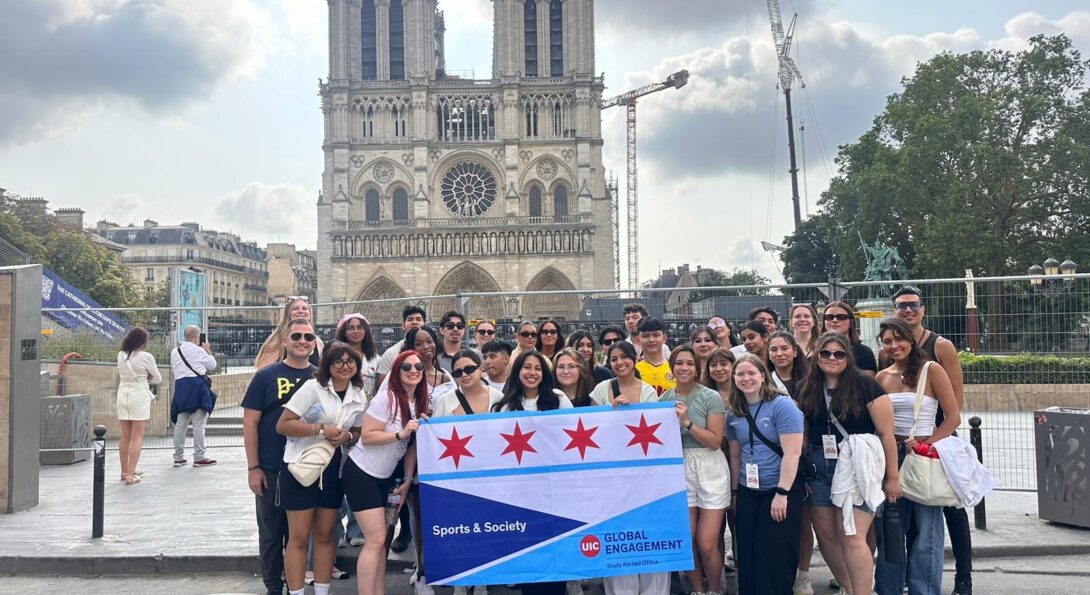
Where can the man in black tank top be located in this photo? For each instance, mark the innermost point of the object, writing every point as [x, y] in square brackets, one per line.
[908, 306]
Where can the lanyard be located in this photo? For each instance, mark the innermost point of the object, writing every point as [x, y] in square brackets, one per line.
[752, 449]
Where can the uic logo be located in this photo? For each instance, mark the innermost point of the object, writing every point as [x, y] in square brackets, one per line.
[590, 546]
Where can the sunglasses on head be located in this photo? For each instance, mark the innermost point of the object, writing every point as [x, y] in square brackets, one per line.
[902, 306]
[527, 334]
[464, 371]
[717, 324]
[832, 355]
[294, 298]
[407, 367]
[838, 317]
[308, 337]
[486, 331]
[454, 325]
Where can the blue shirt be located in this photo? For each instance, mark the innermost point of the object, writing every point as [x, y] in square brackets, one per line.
[270, 389]
[774, 418]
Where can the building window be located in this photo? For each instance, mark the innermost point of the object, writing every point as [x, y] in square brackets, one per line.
[372, 205]
[560, 201]
[464, 118]
[150, 276]
[369, 27]
[531, 120]
[556, 38]
[401, 205]
[529, 28]
[397, 41]
[398, 115]
[535, 201]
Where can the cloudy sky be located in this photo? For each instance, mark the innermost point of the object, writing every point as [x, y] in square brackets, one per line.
[207, 110]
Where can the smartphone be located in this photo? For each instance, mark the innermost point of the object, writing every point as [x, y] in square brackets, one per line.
[204, 339]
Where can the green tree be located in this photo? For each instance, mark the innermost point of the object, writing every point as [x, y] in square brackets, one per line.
[736, 277]
[91, 268]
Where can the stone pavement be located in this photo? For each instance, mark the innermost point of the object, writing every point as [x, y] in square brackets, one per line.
[202, 520]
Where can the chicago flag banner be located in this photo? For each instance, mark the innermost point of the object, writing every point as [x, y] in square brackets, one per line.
[554, 495]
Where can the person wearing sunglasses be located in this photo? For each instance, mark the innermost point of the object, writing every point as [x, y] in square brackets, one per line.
[606, 337]
[908, 305]
[583, 343]
[452, 328]
[311, 417]
[722, 332]
[269, 390]
[549, 338]
[525, 338]
[485, 332]
[472, 389]
[411, 317]
[354, 331]
[271, 352]
[573, 377]
[392, 417]
[839, 317]
[922, 560]
[839, 400]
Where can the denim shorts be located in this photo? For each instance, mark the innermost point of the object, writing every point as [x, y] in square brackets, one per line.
[822, 486]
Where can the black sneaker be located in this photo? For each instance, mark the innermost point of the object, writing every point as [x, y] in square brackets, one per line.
[963, 585]
[401, 542]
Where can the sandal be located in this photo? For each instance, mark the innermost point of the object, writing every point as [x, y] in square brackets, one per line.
[308, 578]
[132, 479]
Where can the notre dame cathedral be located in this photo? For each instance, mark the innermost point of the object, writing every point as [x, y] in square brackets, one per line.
[436, 184]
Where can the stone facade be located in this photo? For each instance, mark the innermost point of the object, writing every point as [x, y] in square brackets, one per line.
[437, 185]
[291, 272]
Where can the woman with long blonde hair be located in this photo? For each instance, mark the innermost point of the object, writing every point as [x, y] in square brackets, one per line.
[271, 350]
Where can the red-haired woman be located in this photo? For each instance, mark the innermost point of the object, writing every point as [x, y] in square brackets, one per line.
[391, 418]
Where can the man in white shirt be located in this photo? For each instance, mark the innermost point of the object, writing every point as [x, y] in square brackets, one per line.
[192, 401]
[411, 317]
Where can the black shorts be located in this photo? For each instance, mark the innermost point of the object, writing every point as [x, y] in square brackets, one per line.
[363, 491]
[325, 493]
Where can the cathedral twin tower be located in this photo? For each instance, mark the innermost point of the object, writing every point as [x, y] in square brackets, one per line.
[436, 184]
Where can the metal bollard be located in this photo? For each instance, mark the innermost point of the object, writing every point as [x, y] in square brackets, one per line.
[980, 515]
[100, 482]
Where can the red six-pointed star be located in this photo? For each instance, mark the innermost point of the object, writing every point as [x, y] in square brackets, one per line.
[518, 442]
[643, 434]
[581, 438]
[455, 447]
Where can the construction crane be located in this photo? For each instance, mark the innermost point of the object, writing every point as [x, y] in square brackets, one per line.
[788, 72]
[674, 81]
[615, 225]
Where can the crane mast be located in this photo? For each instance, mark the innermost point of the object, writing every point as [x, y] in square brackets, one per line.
[788, 72]
[628, 99]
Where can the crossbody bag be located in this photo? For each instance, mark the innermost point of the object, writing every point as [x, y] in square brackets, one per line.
[807, 469]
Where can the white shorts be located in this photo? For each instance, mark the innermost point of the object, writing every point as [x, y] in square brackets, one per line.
[707, 478]
[133, 402]
[652, 583]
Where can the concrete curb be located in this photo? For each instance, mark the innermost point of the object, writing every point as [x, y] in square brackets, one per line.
[145, 565]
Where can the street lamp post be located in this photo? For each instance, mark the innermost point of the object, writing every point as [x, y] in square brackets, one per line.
[1046, 283]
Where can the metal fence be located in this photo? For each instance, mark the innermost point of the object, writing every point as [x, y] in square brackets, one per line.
[1026, 338]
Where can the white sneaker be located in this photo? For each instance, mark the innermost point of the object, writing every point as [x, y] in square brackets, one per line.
[460, 591]
[803, 586]
[480, 590]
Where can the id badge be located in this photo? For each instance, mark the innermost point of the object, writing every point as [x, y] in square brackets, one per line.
[753, 477]
[828, 445]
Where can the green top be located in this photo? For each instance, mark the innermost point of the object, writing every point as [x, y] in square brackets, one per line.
[701, 402]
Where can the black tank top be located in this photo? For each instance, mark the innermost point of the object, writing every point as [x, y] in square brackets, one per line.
[928, 347]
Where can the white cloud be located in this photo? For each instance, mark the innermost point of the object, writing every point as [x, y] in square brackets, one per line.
[270, 213]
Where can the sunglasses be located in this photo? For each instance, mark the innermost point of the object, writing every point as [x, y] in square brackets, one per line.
[406, 367]
[548, 331]
[464, 371]
[293, 298]
[838, 317]
[484, 331]
[527, 335]
[902, 306]
[717, 324]
[832, 355]
[308, 337]
[454, 325]
[608, 342]
[341, 363]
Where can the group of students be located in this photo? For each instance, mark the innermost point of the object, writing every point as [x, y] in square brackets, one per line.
[760, 444]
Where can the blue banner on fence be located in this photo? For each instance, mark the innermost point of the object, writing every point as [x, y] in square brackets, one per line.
[553, 496]
[58, 293]
[189, 293]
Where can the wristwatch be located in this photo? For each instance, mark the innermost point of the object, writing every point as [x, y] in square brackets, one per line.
[781, 491]
[689, 426]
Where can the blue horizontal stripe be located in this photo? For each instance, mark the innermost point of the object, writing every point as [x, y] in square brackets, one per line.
[449, 419]
[552, 469]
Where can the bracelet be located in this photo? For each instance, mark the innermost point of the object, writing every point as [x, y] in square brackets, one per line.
[253, 468]
[781, 492]
[690, 426]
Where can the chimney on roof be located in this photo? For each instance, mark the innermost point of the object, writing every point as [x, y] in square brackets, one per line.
[70, 217]
[149, 223]
[193, 226]
[104, 224]
[33, 202]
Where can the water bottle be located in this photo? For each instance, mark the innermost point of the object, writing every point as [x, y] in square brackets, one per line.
[393, 506]
[893, 539]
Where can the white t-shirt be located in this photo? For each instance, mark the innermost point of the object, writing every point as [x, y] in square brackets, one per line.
[387, 360]
[314, 403]
[446, 404]
[600, 394]
[370, 369]
[496, 385]
[380, 460]
[531, 404]
[739, 350]
[434, 392]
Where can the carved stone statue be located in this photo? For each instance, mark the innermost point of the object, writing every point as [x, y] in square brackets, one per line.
[884, 263]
